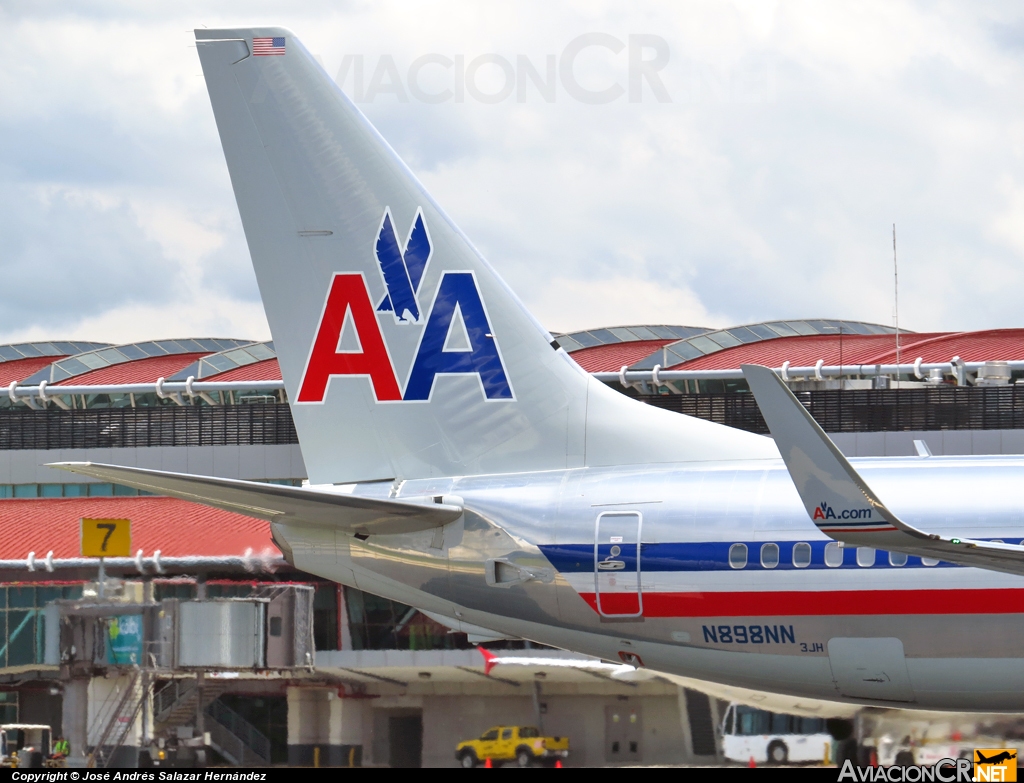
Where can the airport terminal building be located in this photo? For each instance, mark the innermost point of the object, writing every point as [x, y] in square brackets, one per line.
[320, 674]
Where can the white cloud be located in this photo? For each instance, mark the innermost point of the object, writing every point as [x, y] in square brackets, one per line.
[798, 133]
[566, 304]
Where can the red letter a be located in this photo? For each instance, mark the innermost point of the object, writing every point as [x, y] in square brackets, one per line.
[348, 293]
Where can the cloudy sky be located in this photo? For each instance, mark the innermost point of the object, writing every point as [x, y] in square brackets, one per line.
[753, 173]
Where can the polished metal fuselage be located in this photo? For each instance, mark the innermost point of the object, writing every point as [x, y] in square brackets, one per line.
[961, 629]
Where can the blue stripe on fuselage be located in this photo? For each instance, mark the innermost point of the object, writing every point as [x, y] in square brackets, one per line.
[707, 556]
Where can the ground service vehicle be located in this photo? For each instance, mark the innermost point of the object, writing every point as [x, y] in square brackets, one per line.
[24, 744]
[522, 744]
[750, 733]
[461, 462]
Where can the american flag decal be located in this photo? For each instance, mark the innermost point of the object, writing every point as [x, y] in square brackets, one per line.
[267, 46]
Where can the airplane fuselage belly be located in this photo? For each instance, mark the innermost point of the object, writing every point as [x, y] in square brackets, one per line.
[647, 560]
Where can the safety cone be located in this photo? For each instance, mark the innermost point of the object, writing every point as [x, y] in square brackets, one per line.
[558, 763]
[488, 764]
[752, 764]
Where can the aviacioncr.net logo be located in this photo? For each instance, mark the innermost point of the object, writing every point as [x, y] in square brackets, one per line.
[456, 337]
[825, 511]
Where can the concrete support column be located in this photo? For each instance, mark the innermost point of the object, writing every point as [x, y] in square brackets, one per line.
[345, 730]
[75, 717]
[323, 729]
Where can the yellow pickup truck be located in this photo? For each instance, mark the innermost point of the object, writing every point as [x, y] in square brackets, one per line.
[522, 744]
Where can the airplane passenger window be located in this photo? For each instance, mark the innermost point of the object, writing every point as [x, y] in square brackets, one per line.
[769, 555]
[929, 561]
[801, 555]
[897, 559]
[865, 556]
[738, 555]
[833, 554]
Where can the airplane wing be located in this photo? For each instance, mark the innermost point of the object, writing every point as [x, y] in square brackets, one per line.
[622, 672]
[276, 503]
[839, 501]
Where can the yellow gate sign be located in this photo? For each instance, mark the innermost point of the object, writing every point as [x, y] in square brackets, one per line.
[106, 538]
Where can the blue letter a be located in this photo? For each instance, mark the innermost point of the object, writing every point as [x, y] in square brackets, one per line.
[458, 289]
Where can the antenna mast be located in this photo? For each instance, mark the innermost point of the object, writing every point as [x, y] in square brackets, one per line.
[896, 291]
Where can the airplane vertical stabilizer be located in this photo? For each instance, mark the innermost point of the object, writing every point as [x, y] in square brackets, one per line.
[403, 353]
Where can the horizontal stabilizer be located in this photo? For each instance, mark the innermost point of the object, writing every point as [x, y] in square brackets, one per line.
[276, 503]
[839, 501]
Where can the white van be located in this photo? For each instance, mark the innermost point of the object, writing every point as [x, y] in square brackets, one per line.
[748, 732]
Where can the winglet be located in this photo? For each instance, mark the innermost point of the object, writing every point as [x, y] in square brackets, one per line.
[490, 659]
[836, 498]
[839, 501]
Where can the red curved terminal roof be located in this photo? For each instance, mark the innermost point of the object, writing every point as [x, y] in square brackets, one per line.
[611, 357]
[175, 527]
[805, 351]
[268, 370]
[20, 369]
[147, 370]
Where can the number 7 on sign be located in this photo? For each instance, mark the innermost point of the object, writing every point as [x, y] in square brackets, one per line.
[106, 538]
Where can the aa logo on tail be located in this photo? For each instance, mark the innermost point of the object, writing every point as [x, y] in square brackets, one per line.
[456, 336]
[402, 268]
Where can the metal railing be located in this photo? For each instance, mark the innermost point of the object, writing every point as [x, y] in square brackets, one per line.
[168, 697]
[118, 719]
[234, 734]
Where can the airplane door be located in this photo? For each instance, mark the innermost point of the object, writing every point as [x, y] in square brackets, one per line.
[617, 564]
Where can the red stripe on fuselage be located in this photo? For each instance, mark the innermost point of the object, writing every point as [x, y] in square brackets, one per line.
[825, 603]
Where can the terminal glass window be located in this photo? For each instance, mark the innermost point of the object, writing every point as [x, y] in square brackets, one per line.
[738, 556]
[833, 554]
[229, 589]
[801, 555]
[326, 605]
[184, 591]
[865, 556]
[76, 490]
[9, 707]
[769, 555]
[22, 629]
[897, 559]
[376, 623]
